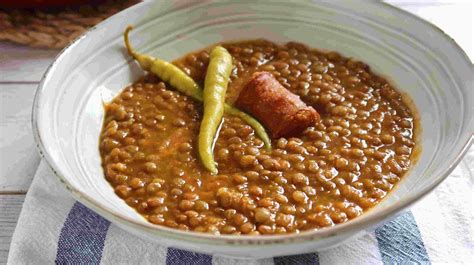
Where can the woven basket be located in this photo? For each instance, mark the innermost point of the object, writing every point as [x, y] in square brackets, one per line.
[56, 28]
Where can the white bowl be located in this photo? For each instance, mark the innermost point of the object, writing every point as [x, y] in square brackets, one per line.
[419, 59]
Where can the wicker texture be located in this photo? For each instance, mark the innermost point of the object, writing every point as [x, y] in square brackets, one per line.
[56, 28]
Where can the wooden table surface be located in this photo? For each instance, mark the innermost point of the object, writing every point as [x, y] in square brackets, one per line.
[21, 69]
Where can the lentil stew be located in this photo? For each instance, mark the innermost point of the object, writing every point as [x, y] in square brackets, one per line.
[333, 172]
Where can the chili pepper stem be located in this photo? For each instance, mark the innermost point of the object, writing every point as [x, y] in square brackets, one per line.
[130, 50]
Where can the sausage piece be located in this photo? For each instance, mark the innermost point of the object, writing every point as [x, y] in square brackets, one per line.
[282, 112]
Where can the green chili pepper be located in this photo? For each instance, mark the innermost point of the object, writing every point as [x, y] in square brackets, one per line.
[254, 123]
[186, 85]
[168, 72]
[215, 87]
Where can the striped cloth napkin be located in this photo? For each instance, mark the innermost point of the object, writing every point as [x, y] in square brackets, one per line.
[53, 227]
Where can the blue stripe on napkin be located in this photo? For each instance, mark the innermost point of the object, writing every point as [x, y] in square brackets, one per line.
[304, 259]
[400, 241]
[178, 256]
[82, 237]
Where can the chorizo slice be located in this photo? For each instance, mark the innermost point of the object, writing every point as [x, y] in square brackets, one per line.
[283, 113]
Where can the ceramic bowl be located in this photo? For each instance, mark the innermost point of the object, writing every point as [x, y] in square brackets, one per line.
[417, 57]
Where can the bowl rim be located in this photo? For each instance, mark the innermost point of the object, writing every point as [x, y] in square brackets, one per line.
[353, 225]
